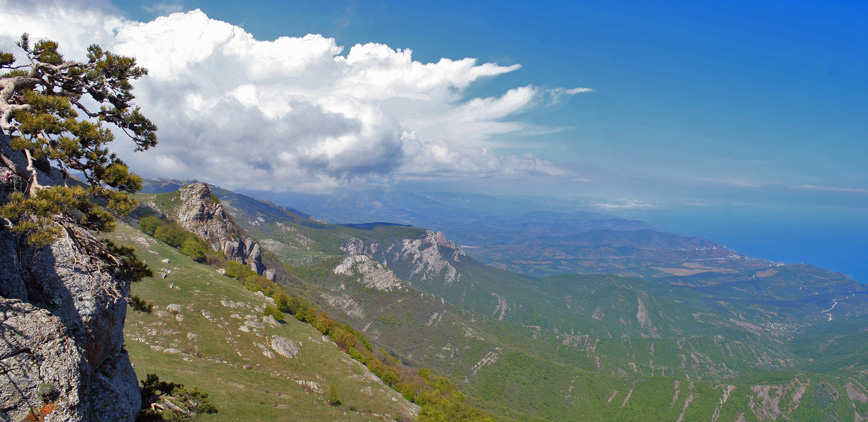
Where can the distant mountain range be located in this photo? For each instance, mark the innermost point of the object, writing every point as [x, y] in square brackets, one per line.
[518, 237]
[703, 333]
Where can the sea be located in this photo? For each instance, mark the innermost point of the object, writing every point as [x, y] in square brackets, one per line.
[836, 240]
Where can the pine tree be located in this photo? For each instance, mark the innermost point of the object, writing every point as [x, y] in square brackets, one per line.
[47, 112]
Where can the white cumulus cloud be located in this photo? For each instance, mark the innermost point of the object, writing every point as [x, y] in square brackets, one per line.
[296, 112]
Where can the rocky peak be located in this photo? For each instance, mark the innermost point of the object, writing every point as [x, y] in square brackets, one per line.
[440, 240]
[428, 257]
[201, 213]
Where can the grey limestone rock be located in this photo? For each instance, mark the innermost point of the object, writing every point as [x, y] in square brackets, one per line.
[202, 215]
[62, 324]
[270, 320]
[285, 346]
[37, 349]
[374, 274]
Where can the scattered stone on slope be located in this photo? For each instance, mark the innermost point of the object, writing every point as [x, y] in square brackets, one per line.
[284, 346]
[268, 319]
[502, 307]
[254, 325]
[345, 303]
[489, 359]
[312, 387]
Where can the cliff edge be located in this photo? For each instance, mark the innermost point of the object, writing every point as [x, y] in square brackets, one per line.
[62, 312]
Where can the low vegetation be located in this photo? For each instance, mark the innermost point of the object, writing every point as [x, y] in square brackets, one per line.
[170, 402]
[174, 235]
[440, 399]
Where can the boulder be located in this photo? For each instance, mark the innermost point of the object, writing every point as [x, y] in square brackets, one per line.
[284, 346]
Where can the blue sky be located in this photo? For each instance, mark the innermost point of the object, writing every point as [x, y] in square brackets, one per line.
[730, 115]
[744, 98]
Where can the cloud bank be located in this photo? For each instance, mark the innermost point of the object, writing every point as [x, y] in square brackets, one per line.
[296, 113]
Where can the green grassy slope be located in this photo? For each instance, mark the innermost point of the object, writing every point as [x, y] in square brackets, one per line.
[224, 350]
[588, 347]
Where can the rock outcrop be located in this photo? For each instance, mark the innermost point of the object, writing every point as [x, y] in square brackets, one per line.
[62, 314]
[428, 257]
[284, 346]
[200, 213]
[373, 274]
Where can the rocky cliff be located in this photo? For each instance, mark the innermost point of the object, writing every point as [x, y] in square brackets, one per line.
[370, 273]
[62, 313]
[428, 257]
[431, 256]
[201, 213]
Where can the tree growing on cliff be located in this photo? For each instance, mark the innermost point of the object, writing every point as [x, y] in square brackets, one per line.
[52, 110]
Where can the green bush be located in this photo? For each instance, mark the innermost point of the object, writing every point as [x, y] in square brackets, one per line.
[149, 224]
[47, 392]
[175, 236]
[271, 310]
[140, 305]
[171, 234]
[195, 248]
[154, 391]
[334, 399]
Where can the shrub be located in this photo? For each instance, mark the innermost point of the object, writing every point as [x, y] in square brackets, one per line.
[195, 248]
[193, 402]
[149, 224]
[47, 392]
[140, 305]
[271, 310]
[334, 399]
[170, 234]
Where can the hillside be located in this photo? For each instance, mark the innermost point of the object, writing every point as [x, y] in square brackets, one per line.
[586, 346]
[208, 331]
[512, 234]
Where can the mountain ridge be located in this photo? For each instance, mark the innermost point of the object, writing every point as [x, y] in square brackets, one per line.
[707, 329]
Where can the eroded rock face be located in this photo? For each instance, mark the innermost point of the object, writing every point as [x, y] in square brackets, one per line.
[428, 256]
[372, 273]
[358, 247]
[201, 214]
[63, 315]
[36, 349]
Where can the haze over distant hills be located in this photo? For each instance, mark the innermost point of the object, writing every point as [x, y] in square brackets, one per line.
[493, 228]
[708, 330]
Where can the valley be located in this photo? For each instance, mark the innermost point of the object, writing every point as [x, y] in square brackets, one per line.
[748, 343]
[433, 212]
